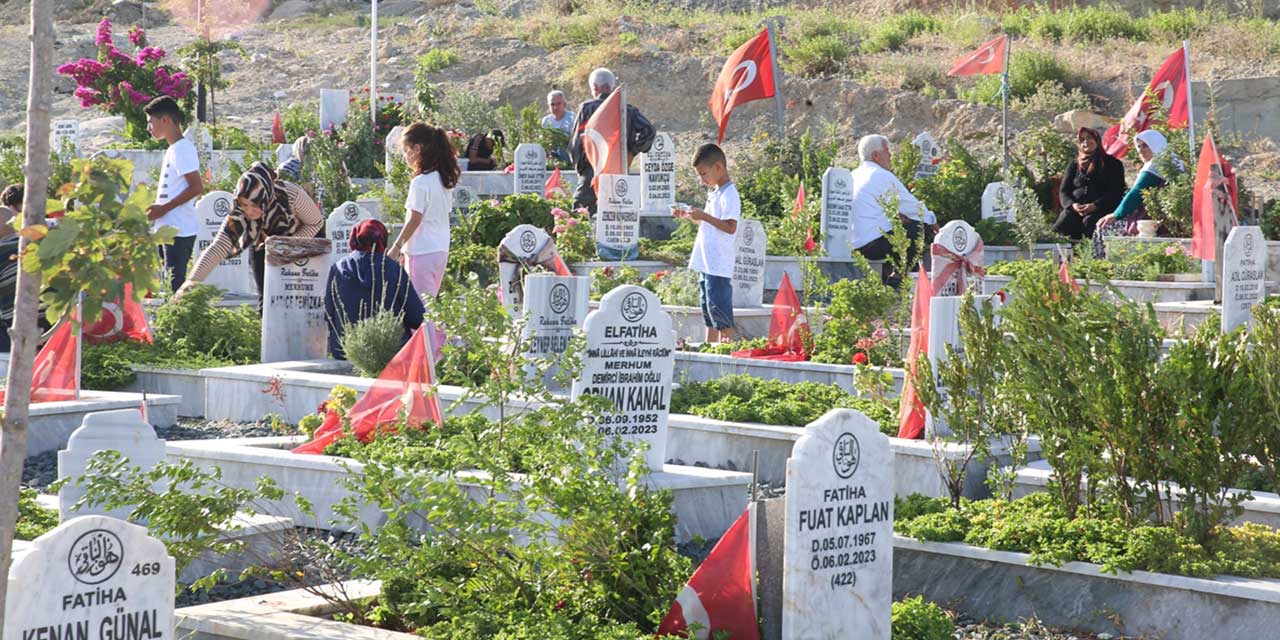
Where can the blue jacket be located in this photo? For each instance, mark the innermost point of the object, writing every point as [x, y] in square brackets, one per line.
[362, 284]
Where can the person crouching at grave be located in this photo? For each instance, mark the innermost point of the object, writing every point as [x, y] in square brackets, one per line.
[264, 206]
[714, 249]
[1153, 148]
[1091, 187]
[180, 185]
[874, 187]
[291, 169]
[480, 150]
[367, 282]
[424, 240]
[640, 135]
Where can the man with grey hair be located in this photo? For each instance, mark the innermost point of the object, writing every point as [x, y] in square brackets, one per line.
[874, 187]
[560, 119]
[640, 134]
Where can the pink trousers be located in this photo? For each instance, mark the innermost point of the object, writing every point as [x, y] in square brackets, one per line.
[426, 271]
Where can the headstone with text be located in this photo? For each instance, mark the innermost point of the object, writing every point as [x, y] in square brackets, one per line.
[618, 217]
[998, 203]
[959, 243]
[234, 274]
[521, 250]
[463, 198]
[837, 577]
[554, 306]
[293, 322]
[66, 132]
[658, 175]
[391, 148]
[944, 338]
[333, 107]
[930, 155]
[122, 430]
[91, 577]
[837, 211]
[342, 221]
[749, 263]
[1244, 276]
[629, 360]
[531, 168]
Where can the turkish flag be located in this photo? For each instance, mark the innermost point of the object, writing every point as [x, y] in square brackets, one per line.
[720, 596]
[788, 328]
[123, 318]
[1215, 185]
[910, 409]
[799, 206]
[277, 130]
[603, 143]
[747, 75]
[1167, 92]
[56, 373]
[987, 59]
[554, 184]
[404, 383]
[1064, 274]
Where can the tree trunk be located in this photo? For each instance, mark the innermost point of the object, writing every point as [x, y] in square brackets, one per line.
[24, 333]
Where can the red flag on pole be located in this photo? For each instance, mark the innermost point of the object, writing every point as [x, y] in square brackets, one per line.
[799, 206]
[277, 130]
[554, 184]
[603, 144]
[1215, 182]
[910, 409]
[1064, 274]
[788, 328]
[1167, 92]
[56, 373]
[809, 244]
[721, 594]
[746, 76]
[123, 318]
[987, 59]
[405, 382]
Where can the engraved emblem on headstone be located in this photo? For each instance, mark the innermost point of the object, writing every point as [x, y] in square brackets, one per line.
[351, 212]
[95, 557]
[559, 298]
[221, 207]
[620, 188]
[528, 242]
[961, 238]
[845, 455]
[634, 307]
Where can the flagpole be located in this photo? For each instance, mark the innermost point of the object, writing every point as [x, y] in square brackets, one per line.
[1191, 110]
[622, 127]
[373, 64]
[777, 80]
[1004, 107]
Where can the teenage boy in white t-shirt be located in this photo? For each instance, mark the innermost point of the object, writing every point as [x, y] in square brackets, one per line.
[179, 186]
[715, 247]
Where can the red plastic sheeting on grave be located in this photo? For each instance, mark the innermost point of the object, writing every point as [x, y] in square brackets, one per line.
[910, 409]
[788, 329]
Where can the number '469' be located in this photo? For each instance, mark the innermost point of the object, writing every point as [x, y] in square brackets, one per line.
[146, 569]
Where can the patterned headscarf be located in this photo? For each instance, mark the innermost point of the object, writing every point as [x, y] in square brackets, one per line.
[259, 186]
[369, 235]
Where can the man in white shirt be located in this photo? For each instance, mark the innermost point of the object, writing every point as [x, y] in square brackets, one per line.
[873, 186]
[560, 119]
[180, 183]
[715, 249]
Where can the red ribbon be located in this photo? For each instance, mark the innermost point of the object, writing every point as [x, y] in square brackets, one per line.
[958, 265]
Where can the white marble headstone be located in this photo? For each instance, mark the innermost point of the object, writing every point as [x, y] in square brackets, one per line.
[391, 148]
[91, 577]
[618, 213]
[66, 131]
[553, 307]
[658, 175]
[930, 155]
[1244, 276]
[531, 168]
[959, 238]
[121, 430]
[944, 334]
[837, 211]
[342, 221]
[629, 360]
[837, 577]
[524, 242]
[293, 322]
[235, 274]
[463, 198]
[333, 107]
[998, 203]
[749, 263]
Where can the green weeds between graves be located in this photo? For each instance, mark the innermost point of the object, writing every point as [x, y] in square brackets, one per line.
[743, 398]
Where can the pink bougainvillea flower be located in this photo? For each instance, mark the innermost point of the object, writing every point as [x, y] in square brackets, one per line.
[148, 54]
[104, 33]
[89, 97]
[570, 222]
[135, 97]
[559, 213]
[137, 36]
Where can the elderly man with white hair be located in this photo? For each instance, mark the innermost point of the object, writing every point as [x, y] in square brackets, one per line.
[560, 119]
[640, 135]
[873, 186]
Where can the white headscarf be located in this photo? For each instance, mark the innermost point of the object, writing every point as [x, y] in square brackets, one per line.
[1158, 145]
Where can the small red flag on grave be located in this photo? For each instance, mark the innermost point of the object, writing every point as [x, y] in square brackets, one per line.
[910, 409]
[277, 130]
[720, 596]
[554, 184]
[1167, 92]
[1215, 183]
[987, 59]
[603, 143]
[1064, 274]
[122, 319]
[799, 206]
[788, 328]
[404, 383]
[746, 76]
[56, 373]
[809, 243]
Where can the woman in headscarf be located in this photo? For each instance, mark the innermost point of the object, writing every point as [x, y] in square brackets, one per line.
[264, 206]
[1152, 148]
[1091, 188]
[366, 282]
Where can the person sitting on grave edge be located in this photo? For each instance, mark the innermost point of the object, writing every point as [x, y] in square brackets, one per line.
[480, 150]
[291, 169]
[264, 206]
[560, 119]
[873, 187]
[1153, 148]
[366, 282]
[714, 249]
[640, 135]
[1091, 187]
[10, 208]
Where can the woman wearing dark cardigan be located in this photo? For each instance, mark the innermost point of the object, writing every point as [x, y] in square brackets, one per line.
[1092, 187]
[365, 282]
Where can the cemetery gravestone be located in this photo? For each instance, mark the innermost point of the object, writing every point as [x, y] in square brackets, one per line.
[618, 217]
[553, 307]
[293, 322]
[333, 107]
[658, 175]
[998, 203]
[837, 211]
[944, 334]
[837, 577]
[930, 155]
[629, 360]
[961, 253]
[341, 223]
[531, 168]
[91, 577]
[1244, 271]
[66, 132]
[235, 274]
[122, 430]
[749, 263]
[284, 152]
[463, 198]
[523, 248]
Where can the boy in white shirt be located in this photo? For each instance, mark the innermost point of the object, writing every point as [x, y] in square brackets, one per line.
[180, 183]
[715, 248]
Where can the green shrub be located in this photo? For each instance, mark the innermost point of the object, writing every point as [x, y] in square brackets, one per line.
[915, 619]
[954, 192]
[1179, 24]
[372, 342]
[1028, 71]
[743, 398]
[894, 32]
[580, 30]
[768, 171]
[1170, 205]
[300, 119]
[195, 325]
[857, 319]
[1100, 24]
[33, 519]
[464, 111]
[1271, 220]
[816, 57]
[437, 60]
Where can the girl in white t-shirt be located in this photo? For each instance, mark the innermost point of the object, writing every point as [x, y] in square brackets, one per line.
[424, 241]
